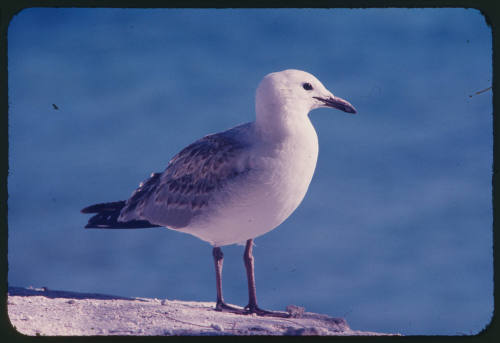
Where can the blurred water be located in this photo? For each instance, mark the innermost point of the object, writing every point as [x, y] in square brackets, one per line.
[395, 233]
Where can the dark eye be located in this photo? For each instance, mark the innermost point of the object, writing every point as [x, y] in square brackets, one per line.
[307, 86]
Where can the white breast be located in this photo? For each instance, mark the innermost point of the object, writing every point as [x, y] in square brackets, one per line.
[280, 176]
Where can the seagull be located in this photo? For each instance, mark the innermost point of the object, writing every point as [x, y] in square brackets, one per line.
[233, 186]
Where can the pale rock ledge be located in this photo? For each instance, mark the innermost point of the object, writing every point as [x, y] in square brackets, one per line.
[39, 311]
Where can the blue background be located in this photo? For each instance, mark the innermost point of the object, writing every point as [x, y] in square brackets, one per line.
[395, 233]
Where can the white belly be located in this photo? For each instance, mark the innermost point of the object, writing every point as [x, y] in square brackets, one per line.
[258, 203]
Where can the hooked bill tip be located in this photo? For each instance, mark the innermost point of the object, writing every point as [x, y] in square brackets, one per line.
[338, 103]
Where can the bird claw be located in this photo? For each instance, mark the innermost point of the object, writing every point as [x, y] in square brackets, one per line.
[221, 306]
[250, 309]
[224, 307]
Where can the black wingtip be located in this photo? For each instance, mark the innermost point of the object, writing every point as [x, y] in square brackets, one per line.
[107, 214]
[104, 207]
[133, 224]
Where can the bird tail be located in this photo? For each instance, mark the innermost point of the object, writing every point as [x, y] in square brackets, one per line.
[107, 214]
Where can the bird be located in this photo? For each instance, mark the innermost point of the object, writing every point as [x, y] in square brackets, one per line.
[233, 186]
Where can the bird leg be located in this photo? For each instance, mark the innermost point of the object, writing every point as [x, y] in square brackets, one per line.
[221, 305]
[252, 306]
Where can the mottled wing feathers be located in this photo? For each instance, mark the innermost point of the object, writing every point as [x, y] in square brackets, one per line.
[174, 197]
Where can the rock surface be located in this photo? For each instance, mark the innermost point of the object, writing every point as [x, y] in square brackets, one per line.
[39, 311]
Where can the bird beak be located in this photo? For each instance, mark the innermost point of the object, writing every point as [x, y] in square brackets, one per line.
[338, 103]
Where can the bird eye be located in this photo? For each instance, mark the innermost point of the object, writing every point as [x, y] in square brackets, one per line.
[307, 86]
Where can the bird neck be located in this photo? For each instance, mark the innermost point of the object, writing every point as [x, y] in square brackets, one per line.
[278, 123]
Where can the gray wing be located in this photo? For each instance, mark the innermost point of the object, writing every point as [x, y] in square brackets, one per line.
[173, 198]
